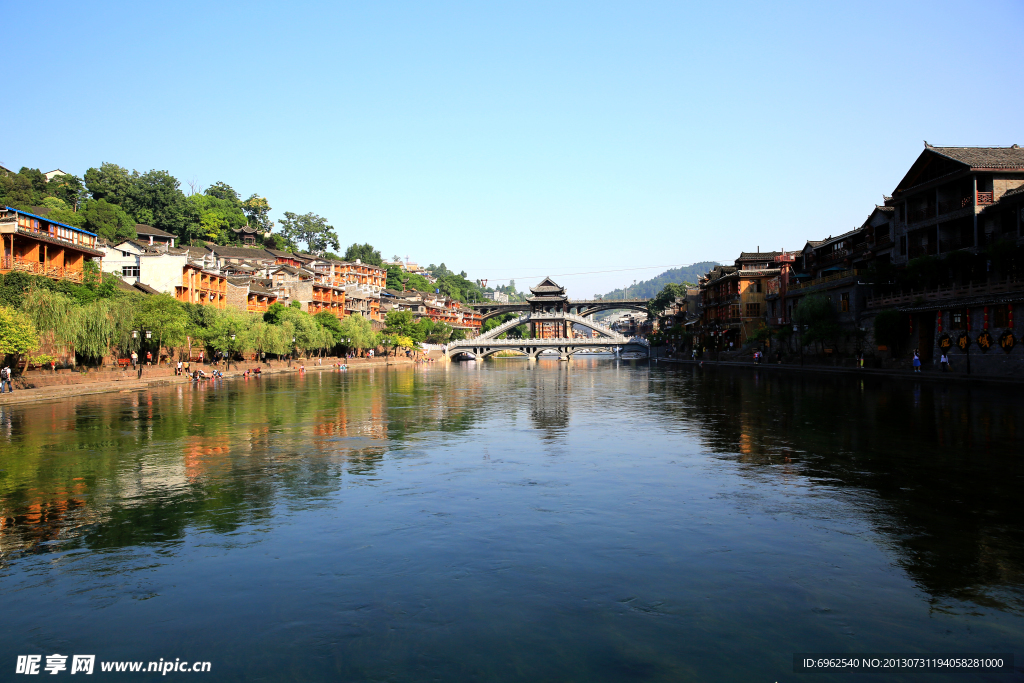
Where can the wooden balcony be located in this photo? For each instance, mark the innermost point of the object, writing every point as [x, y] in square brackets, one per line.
[36, 268]
[925, 296]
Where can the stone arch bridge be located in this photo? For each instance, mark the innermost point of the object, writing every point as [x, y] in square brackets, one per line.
[488, 343]
[581, 307]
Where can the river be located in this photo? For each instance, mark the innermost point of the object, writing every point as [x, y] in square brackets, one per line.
[516, 521]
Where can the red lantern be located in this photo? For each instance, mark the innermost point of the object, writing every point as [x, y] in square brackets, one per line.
[940, 320]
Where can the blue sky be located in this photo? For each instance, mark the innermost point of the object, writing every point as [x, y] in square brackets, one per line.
[521, 139]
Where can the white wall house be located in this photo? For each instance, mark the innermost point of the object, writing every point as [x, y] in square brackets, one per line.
[160, 271]
[122, 260]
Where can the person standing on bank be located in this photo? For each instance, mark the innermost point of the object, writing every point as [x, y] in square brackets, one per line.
[944, 362]
[135, 359]
[917, 362]
[5, 380]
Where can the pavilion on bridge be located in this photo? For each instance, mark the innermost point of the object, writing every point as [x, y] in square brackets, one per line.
[548, 297]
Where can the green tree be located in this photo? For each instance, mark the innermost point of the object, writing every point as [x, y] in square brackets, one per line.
[399, 323]
[110, 182]
[273, 314]
[311, 229]
[108, 220]
[17, 333]
[58, 211]
[223, 191]
[165, 317]
[217, 217]
[278, 242]
[157, 197]
[68, 188]
[257, 211]
[358, 331]
[666, 297]
[365, 253]
[816, 313]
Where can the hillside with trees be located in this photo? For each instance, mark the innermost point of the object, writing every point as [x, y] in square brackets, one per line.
[648, 289]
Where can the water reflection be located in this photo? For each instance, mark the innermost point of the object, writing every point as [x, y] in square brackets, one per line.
[593, 520]
[936, 469]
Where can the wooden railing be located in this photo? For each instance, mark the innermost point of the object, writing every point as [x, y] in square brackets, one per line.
[828, 278]
[36, 268]
[986, 197]
[944, 293]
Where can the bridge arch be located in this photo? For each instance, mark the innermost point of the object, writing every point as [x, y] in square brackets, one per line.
[596, 308]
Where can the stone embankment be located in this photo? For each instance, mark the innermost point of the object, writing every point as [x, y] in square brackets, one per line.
[47, 385]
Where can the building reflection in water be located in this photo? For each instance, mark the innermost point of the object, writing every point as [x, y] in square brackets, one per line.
[936, 469]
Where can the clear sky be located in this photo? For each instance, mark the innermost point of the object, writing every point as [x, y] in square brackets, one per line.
[527, 138]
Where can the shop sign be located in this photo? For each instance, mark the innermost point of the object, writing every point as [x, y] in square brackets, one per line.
[984, 341]
[1007, 341]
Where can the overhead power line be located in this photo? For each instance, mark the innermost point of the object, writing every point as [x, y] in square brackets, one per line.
[591, 272]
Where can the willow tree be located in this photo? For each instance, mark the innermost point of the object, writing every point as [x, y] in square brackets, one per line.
[90, 330]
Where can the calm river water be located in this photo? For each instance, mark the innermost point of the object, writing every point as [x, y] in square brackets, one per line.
[512, 521]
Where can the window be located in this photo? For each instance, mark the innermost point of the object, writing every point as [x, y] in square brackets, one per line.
[1000, 316]
[130, 271]
[903, 245]
[734, 311]
[753, 310]
[958, 321]
[844, 303]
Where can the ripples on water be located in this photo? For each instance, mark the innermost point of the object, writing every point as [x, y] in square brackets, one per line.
[514, 521]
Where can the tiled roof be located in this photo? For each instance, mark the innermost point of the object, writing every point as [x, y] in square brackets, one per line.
[145, 289]
[831, 238]
[248, 253]
[984, 157]
[124, 286]
[143, 229]
[43, 237]
[759, 254]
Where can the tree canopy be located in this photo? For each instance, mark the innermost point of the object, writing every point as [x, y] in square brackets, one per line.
[311, 229]
[365, 253]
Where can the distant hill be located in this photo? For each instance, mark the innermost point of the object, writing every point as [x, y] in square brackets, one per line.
[649, 288]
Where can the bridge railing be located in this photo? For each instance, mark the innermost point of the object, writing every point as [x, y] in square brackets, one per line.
[553, 341]
[507, 325]
[582, 320]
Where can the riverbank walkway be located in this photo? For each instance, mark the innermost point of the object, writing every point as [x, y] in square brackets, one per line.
[94, 382]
